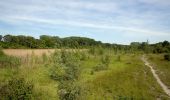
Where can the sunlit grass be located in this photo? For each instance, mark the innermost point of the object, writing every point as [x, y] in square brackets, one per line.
[162, 67]
[126, 77]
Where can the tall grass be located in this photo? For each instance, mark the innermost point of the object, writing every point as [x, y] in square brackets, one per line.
[97, 74]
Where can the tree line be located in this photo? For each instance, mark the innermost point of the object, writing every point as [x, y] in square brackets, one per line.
[46, 41]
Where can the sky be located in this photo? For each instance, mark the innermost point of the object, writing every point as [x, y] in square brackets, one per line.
[111, 21]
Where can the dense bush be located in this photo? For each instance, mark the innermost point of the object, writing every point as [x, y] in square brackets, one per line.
[65, 69]
[69, 90]
[16, 89]
[167, 57]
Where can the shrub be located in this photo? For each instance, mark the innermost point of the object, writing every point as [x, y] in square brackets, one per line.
[16, 89]
[118, 58]
[106, 60]
[92, 51]
[100, 67]
[167, 57]
[83, 56]
[57, 73]
[69, 90]
[1, 52]
[72, 71]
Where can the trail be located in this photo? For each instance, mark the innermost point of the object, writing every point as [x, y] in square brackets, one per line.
[164, 87]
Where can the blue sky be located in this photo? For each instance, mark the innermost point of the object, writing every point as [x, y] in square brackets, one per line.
[113, 21]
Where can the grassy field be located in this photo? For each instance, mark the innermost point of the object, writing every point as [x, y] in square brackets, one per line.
[162, 66]
[83, 75]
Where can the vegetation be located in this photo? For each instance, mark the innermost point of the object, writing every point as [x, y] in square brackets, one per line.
[167, 57]
[162, 66]
[93, 71]
[45, 41]
[16, 89]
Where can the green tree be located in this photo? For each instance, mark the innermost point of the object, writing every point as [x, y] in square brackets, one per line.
[1, 37]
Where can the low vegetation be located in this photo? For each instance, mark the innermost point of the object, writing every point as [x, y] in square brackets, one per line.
[162, 66]
[167, 57]
[99, 71]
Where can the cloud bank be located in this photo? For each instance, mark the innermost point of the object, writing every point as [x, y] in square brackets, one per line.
[130, 19]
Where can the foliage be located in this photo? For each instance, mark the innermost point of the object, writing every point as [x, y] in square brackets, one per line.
[65, 70]
[16, 89]
[68, 90]
[1, 52]
[45, 41]
[106, 60]
[100, 67]
[8, 61]
[167, 57]
[92, 51]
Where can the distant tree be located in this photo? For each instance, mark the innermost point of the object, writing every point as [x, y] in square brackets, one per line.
[1, 37]
[135, 46]
[165, 43]
[7, 38]
[145, 47]
[48, 40]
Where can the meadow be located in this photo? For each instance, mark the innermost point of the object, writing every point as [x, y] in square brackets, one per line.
[94, 74]
[162, 66]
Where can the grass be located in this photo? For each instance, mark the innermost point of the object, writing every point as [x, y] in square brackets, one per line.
[127, 78]
[162, 66]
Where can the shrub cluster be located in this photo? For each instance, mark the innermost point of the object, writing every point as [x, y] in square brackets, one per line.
[65, 70]
[167, 57]
[16, 89]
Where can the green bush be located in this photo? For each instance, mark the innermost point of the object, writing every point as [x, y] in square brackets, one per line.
[57, 72]
[105, 60]
[83, 56]
[100, 67]
[16, 89]
[1, 52]
[69, 90]
[167, 57]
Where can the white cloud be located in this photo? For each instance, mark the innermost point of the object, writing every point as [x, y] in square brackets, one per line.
[97, 25]
[127, 16]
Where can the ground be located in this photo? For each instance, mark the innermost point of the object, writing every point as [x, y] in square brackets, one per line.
[125, 78]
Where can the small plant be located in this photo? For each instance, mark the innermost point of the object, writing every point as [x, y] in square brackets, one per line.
[118, 58]
[92, 51]
[1, 52]
[83, 56]
[100, 67]
[167, 57]
[16, 89]
[106, 60]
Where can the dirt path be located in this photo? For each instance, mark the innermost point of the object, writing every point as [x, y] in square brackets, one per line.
[164, 87]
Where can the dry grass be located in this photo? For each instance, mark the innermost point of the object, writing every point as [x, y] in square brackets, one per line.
[35, 52]
[26, 52]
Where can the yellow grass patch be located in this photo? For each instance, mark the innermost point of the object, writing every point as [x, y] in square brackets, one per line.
[26, 52]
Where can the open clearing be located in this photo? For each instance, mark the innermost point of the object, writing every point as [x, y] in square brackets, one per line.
[164, 87]
[125, 78]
